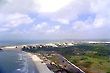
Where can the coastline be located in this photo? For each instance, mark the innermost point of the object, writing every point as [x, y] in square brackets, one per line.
[42, 67]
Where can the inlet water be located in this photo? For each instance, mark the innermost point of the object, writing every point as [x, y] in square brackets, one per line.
[16, 62]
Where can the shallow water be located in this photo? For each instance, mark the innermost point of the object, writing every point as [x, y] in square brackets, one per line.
[16, 62]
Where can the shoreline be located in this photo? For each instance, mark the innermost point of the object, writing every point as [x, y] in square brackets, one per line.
[42, 67]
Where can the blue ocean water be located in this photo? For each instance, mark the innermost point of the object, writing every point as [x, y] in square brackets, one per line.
[16, 62]
[23, 42]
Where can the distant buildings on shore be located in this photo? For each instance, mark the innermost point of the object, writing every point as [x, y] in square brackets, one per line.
[55, 45]
[48, 45]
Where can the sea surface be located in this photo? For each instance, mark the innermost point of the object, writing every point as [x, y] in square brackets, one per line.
[16, 62]
[20, 42]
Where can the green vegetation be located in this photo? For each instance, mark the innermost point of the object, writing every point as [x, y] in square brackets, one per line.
[91, 64]
[95, 58]
[92, 58]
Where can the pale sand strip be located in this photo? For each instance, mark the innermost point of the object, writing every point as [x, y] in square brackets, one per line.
[42, 68]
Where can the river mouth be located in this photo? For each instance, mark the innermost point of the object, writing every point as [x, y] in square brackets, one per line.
[16, 62]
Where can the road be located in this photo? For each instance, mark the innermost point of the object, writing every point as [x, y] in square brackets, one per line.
[70, 65]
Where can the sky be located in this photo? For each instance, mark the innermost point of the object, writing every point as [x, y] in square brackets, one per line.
[54, 19]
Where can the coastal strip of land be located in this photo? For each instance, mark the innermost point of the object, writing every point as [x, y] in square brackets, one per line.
[42, 67]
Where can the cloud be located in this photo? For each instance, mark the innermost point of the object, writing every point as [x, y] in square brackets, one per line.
[17, 19]
[80, 26]
[56, 18]
[55, 29]
[16, 6]
[51, 5]
[62, 21]
[3, 29]
[9, 21]
[71, 11]
[100, 7]
[99, 22]
[45, 28]
[39, 28]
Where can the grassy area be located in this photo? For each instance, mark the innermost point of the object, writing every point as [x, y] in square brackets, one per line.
[92, 58]
[91, 64]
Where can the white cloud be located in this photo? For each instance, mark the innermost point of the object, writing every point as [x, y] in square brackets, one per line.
[9, 21]
[55, 29]
[40, 6]
[13, 6]
[3, 29]
[102, 16]
[14, 13]
[99, 6]
[40, 27]
[70, 12]
[51, 5]
[14, 20]
[45, 28]
[62, 21]
[81, 25]
[102, 11]
[99, 22]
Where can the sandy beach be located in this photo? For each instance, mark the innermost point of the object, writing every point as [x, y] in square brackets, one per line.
[11, 48]
[42, 67]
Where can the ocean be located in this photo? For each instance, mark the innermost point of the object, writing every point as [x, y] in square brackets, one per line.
[23, 42]
[16, 62]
